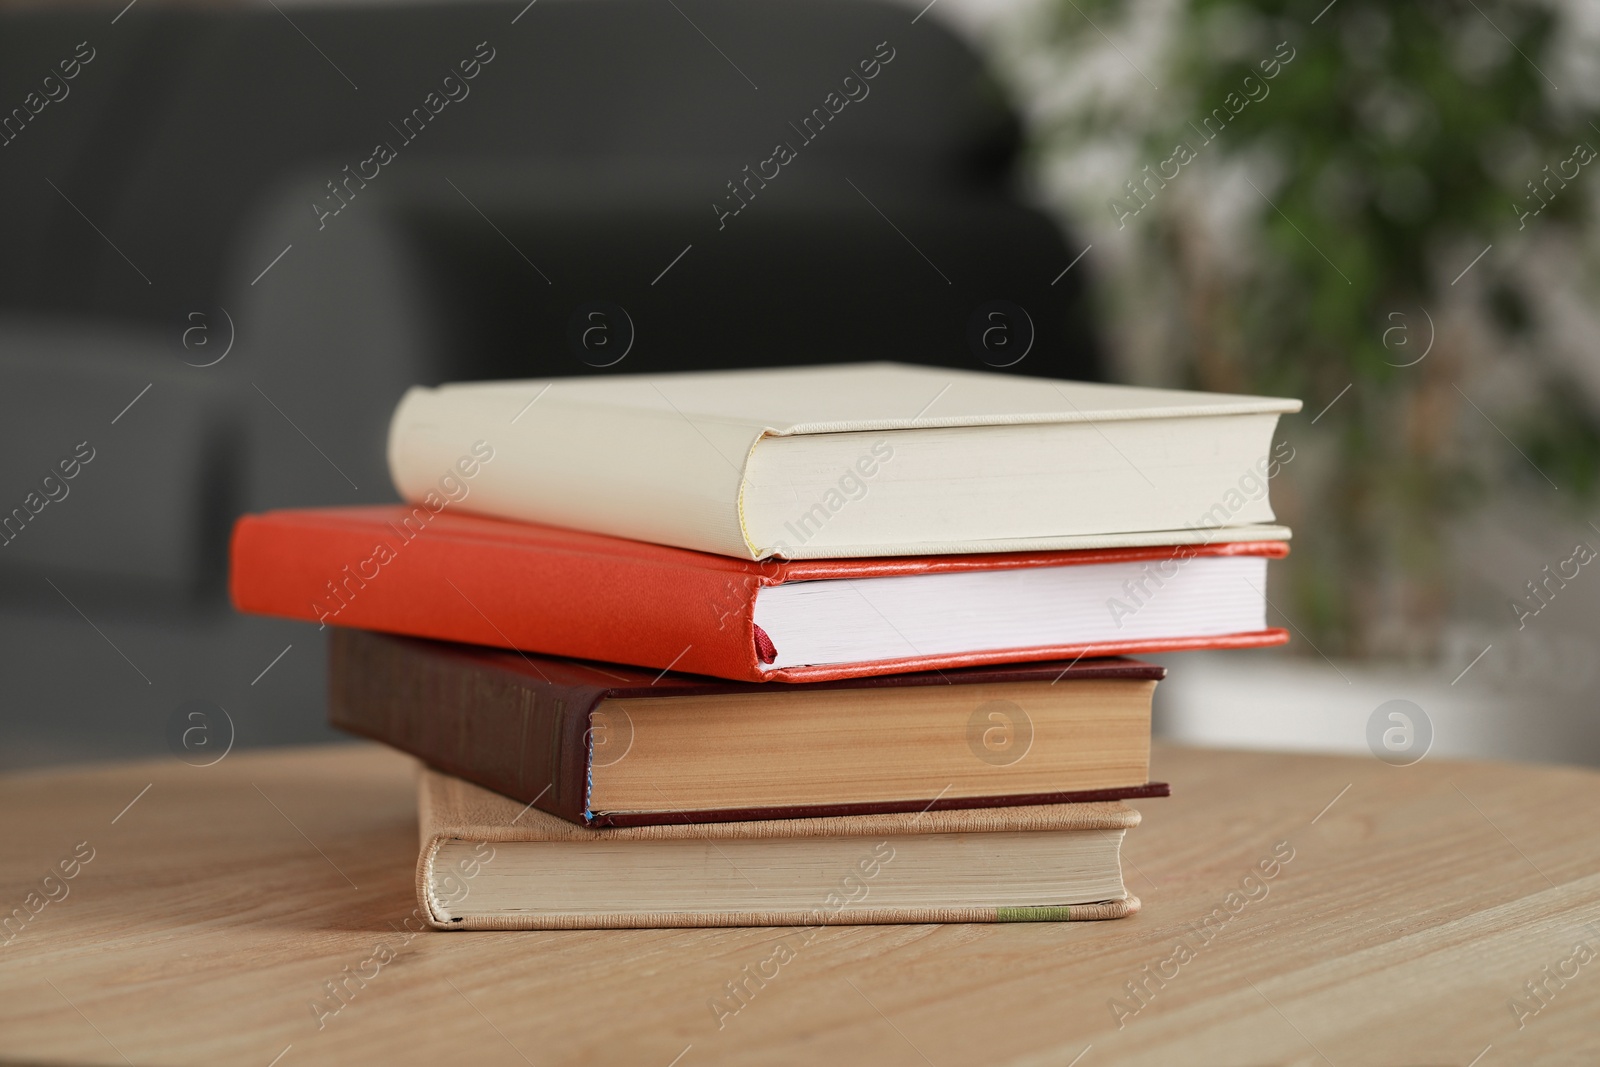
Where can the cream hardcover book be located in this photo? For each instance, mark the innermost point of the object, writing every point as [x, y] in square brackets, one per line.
[491, 863]
[877, 459]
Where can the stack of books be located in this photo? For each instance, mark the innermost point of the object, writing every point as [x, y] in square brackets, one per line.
[772, 647]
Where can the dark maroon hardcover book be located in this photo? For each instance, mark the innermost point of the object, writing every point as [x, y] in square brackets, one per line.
[605, 745]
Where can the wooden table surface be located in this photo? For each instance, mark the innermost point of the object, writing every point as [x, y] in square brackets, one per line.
[1417, 903]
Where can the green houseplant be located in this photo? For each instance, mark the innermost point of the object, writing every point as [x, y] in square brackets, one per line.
[1342, 205]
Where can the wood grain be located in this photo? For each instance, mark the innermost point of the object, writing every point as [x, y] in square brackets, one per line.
[1413, 911]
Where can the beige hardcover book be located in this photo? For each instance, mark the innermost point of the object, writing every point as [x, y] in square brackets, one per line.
[491, 863]
[874, 459]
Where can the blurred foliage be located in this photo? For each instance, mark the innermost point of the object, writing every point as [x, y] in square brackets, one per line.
[1388, 152]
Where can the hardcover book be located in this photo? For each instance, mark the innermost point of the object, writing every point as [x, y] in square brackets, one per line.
[436, 573]
[605, 745]
[876, 459]
[489, 863]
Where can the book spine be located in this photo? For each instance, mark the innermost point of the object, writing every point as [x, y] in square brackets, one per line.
[445, 582]
[647, 471]
[515, 735]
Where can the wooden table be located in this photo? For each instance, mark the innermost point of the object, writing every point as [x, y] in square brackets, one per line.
[218, 900]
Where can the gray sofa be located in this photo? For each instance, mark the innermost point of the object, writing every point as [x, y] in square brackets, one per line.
[215, 279]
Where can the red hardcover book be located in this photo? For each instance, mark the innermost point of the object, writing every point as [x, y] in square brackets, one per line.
[562, 592]
[607, 745]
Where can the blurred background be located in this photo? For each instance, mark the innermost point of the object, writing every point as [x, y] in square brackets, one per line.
[234, 234]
